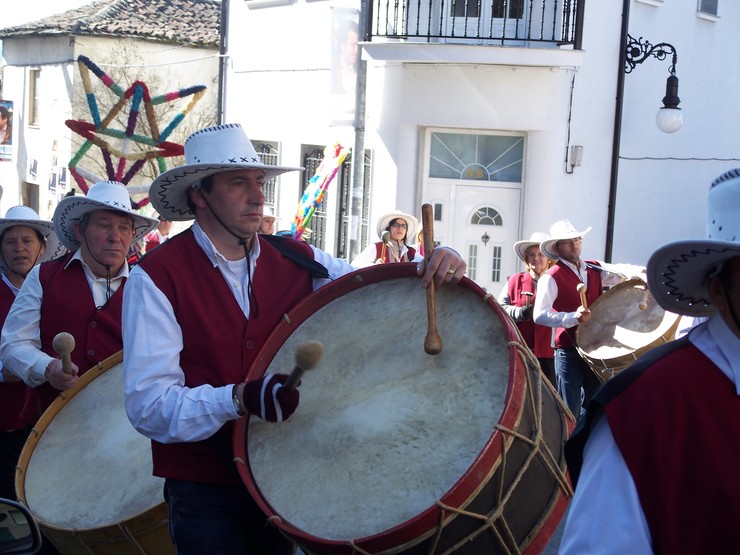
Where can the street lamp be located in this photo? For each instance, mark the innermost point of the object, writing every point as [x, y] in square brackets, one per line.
[669, 118]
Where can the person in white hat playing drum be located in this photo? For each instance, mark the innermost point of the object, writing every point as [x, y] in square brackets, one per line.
[25, 241]
[559, 306]
[79, 293]
[655, 460]
[517, 299]
[393, 229]
[196, 312]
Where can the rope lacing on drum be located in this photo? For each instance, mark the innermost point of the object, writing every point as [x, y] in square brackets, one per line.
[494, 521]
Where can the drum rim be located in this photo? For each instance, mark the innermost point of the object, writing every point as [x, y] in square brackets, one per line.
[464, 488]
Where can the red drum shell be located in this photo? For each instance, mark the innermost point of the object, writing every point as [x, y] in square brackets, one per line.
[511, 495]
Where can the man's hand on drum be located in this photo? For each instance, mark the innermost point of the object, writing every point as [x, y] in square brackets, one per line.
[583, 314]
[445, 265]
[58, 378]
[268, 399]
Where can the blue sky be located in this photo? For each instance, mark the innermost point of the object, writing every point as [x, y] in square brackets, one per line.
[15, 13]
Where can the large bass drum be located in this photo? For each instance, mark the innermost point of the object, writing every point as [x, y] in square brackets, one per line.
[86, 474]
[626, 323]
[395, 451]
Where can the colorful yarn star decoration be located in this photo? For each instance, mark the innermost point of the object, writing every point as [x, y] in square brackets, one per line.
[140, 141]
[313, 196]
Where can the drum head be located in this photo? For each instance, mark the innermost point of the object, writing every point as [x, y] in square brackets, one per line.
[90, 468]
[383, 430]
[618, 326]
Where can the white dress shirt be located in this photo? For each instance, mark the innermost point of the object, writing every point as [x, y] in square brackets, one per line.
[158, 403]
[20, 347]
[547, 291]
[605, 515]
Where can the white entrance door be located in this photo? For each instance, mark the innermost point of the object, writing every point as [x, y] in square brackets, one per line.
[474, 182]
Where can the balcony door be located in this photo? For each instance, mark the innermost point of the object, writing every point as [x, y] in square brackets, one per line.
[488, 19]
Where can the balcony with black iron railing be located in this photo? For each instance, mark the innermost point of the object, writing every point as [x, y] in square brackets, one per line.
[523, 23]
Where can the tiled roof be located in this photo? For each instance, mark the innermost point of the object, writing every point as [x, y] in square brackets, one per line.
[192, 22]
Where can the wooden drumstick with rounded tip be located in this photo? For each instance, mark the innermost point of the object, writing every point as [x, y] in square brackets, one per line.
[643, 304]
[64, 344]
[432, 341]
[581, 287]
[307, 356]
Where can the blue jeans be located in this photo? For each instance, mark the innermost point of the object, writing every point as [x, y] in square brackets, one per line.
[220, 520]
[577, 383]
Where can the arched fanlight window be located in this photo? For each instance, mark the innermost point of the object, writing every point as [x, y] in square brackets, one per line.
[486, 216]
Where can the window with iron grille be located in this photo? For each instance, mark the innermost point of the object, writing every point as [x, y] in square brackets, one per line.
[269, 155]
[709, 6]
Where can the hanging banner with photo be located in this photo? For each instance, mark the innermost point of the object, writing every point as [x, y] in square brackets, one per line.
[345, 35]
[6, 130]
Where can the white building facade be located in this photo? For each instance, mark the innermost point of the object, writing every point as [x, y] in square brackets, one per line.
[483, 130]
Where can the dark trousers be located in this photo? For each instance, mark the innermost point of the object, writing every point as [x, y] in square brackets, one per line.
[577, 383]
[220, 520]
[11, 444]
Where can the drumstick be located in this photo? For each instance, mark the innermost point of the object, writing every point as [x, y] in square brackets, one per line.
[528, 298]
[64, 344]
[307, 356]
[581, 287]
[432, 342]
[645, 297]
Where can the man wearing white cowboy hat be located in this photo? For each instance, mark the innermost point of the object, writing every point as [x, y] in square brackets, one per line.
[79, 293]
[267, 227]
[25, 240]
[196, 313]
[655, 460]
[393, 229]
[517, 299]
[558, 306]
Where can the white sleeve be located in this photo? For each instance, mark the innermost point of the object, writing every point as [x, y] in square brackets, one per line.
[158, 403]
[20, 347]
[366, 257]
[543, 313]
[605, 515]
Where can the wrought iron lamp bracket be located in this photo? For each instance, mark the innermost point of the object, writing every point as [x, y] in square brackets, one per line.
[639, 50]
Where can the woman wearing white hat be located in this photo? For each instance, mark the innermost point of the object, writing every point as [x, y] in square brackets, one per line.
[655, 461]
[393, 230]
[517, 299]
[25, 240]
[80, 293]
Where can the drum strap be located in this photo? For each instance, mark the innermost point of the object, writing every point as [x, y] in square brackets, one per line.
[284, 247]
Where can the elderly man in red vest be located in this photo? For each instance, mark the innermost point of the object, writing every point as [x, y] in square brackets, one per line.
[80, 293]
[196, 313]
[655, 460]
[558, 305]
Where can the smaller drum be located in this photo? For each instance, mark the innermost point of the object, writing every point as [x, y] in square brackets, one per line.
[626, 323]
[86, 474]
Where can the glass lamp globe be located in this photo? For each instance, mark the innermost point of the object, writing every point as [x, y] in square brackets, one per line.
[669, 120]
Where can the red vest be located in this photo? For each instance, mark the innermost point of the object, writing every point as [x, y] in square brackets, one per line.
[535, 336]
[220, 344]
[12, 395]
[410, 254]
[68, 305]
[568, 299]
[677, 429]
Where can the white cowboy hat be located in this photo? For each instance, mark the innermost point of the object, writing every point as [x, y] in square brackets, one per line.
[26, 216]
[560, 231]
[411, 222]
[208, 151]
[267, 214]
[521, 247]
[104, 195]
[677, 272]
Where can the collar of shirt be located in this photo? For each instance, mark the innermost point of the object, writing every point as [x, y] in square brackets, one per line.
[13, 288]
[216, 258]
[99, 285]
[717, 341]
[579, 270]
